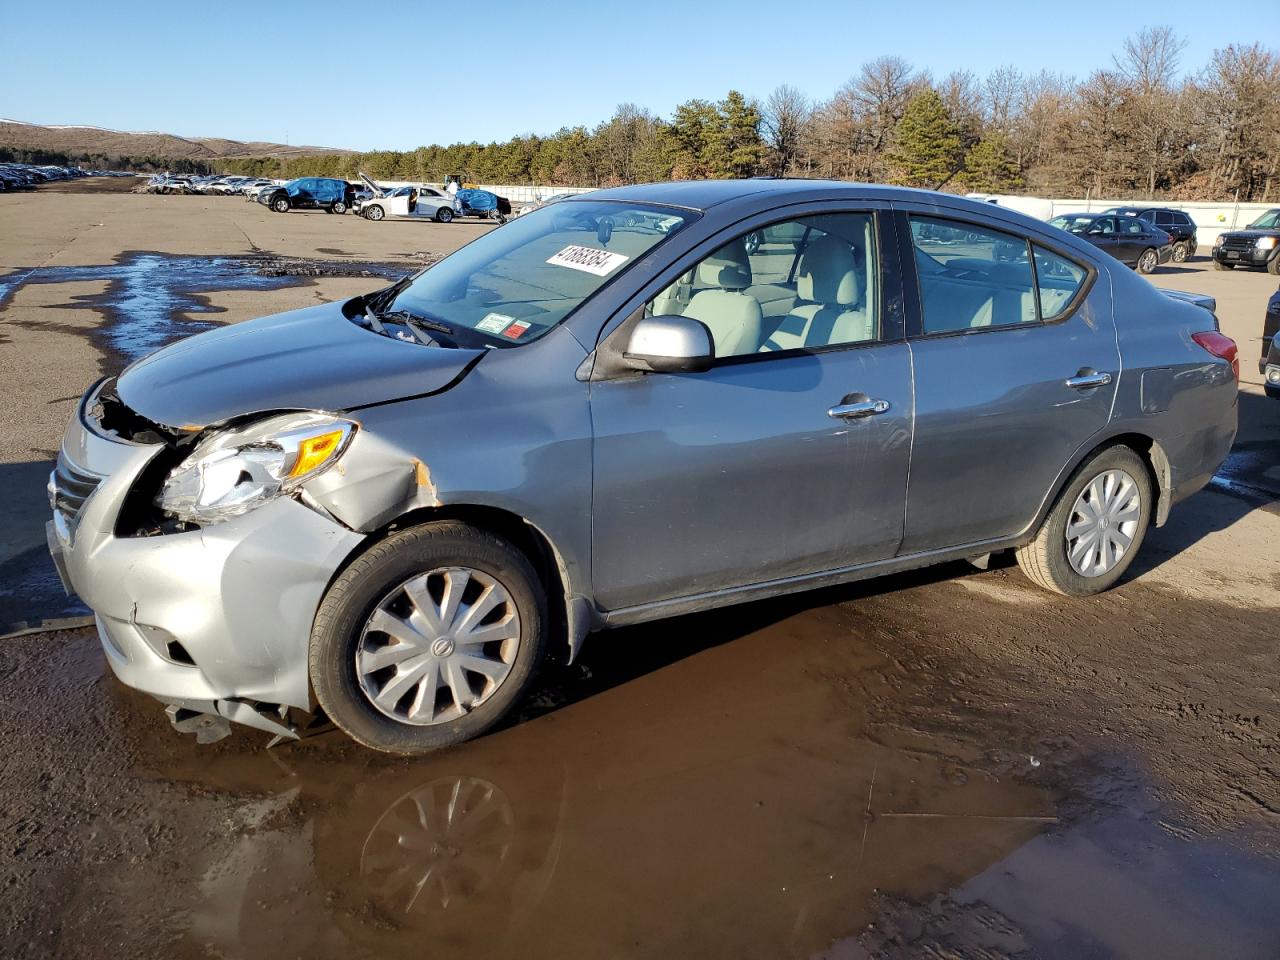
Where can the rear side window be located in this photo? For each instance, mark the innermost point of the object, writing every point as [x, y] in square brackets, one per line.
[971, 276]
[1185, 220]
[1132, 226]
[1058, 280]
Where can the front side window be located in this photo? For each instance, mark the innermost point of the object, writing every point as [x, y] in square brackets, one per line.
[801, 284]
[971, 276]
[514, 284]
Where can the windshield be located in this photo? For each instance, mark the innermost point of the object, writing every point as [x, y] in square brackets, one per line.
[1268, 221]
[514, 284]
[1072, 224]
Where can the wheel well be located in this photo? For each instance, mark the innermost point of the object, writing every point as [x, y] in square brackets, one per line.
[521, 534]
[1159, 470]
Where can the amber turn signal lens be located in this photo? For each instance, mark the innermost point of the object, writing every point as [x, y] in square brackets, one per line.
[314, 451]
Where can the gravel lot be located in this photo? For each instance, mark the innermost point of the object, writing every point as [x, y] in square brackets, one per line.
[949, 763]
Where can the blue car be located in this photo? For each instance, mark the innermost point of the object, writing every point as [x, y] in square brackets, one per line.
[310, 193]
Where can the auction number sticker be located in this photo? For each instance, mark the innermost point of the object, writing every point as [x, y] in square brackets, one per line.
[494, 322]
[516, 330]
[589, 260]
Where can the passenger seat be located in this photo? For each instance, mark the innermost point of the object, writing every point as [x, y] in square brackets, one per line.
[734, 319]
[828, 277]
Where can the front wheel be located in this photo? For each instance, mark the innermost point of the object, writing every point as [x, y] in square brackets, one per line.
[1273, 267]
[444, 215]
[280, 204]
[1148, 261]
[1219, 265]
[428, 639]
[374, 212]
[1095, 528]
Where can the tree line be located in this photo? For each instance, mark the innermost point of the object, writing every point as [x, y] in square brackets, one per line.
[1140, 127]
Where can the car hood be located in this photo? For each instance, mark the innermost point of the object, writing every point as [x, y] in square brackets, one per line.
[312, 359]
[1253, 234]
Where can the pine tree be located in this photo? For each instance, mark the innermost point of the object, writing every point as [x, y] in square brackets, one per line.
[927, 151]
[989, 166]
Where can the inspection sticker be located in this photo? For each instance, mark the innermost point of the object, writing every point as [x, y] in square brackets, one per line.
[589, 260]
[517, 329]
[494, 322]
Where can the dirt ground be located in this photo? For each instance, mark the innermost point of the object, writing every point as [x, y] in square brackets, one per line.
[946, 764]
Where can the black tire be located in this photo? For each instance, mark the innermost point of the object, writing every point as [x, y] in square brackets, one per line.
[354, 595]
[1273, 267]
[374, 212]
[1179, 252]
[280, 204]
[1148, 260]
[1044, 560]
[338, 207]
[444, 215]
[1219, 265]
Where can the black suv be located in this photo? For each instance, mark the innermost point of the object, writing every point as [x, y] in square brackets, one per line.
[1175, 223]
[1258, 245]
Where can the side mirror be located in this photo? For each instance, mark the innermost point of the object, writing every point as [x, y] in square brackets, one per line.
[670, 344]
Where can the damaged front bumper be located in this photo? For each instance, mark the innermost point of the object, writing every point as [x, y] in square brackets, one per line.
[212, 621]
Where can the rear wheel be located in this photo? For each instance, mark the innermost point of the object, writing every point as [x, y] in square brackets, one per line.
[280, 204]
[1179, 253]
[338, 207]
[1148, 261]
[1095, 528]
[428, 639]
[444, 215]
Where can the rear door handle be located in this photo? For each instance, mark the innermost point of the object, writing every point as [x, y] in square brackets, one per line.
[858, 409]
[1087, 381]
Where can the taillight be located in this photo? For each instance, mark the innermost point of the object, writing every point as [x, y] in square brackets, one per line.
[1220, 345]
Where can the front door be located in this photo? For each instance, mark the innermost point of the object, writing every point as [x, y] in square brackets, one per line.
[1015, 369]
[788, 457]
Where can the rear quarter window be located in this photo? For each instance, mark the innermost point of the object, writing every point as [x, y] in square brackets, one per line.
[1058, 280]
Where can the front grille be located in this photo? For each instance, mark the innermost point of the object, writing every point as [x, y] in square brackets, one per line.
[1238, 243]
[69, 488]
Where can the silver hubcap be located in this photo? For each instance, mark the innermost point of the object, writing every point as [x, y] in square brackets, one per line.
[440, 843]
[438, 646]
[1103, 523]
[1148, 261]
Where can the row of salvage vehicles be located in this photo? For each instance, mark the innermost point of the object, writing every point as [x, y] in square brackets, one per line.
[374, 201]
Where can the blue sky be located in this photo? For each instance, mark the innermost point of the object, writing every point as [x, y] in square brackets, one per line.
[370, 75]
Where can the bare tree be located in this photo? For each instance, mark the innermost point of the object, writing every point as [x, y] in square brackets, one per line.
[784, 119]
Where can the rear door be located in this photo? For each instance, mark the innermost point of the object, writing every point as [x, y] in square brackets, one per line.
[1015, 359]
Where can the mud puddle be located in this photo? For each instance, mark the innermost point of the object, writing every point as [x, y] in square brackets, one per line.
[760, 782]
[151, 297]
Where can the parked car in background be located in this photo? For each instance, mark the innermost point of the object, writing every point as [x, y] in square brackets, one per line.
[309, 193]
[1177, 223]
[408, 202]
[1257, 246]
[1128, 239]
[611, 411]
[1269, 364]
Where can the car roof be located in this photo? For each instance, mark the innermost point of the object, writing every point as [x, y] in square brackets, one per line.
[705, 194]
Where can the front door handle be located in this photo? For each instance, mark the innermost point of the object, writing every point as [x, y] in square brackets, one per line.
[856, 409]
[1087, 380]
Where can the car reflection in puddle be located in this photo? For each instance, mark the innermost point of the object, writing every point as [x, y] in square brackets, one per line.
[151, 296]
[727, 804]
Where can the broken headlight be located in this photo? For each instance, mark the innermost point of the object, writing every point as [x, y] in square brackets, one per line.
[234, 471]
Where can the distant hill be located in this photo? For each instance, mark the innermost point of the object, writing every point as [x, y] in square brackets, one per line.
[74, 140]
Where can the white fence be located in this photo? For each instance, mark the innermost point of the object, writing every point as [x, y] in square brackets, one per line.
[1211, 219]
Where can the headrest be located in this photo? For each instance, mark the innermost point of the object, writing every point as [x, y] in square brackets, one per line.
[728, 267]
[828, 273]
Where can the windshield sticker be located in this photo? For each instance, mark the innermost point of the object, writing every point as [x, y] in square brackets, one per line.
[516, 330]
[589, 260]
[494, 322]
